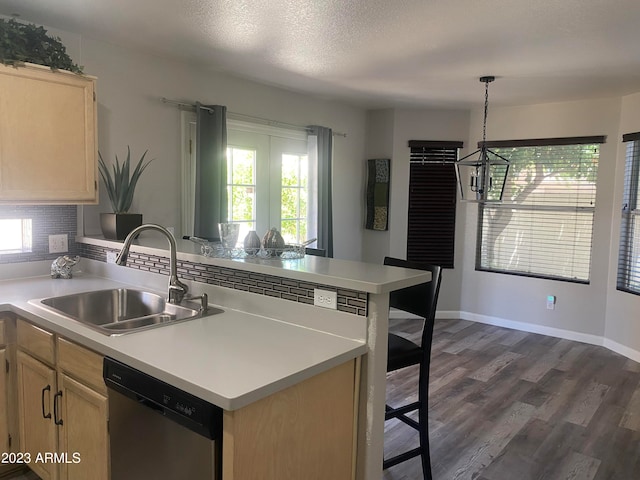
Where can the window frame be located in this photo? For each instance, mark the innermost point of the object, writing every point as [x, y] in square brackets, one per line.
[546, 209]
[630, 221]
[251, 224]
[268, 188]
[302, 192]
[277, 140]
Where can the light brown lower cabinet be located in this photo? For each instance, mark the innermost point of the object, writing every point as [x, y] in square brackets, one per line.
[38, 433]
[83, 434]
[305, 431]
[8, 399]
[63, 415]
[5, 393]
[4, 406]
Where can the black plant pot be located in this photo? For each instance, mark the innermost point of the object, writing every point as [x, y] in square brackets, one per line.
[116, 226]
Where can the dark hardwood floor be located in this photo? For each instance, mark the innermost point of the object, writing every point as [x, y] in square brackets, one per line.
[511, 405]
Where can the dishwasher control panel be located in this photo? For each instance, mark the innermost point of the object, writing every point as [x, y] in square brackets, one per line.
[182, 407]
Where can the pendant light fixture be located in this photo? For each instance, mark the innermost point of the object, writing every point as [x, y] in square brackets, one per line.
[482, 174]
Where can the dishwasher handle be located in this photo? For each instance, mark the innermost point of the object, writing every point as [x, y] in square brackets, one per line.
[149, 403]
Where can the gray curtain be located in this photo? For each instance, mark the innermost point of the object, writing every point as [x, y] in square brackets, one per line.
[211, 170]
[325, 208]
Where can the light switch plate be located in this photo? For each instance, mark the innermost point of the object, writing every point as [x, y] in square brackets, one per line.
[325, 298]
[111, 257]
[59, 243]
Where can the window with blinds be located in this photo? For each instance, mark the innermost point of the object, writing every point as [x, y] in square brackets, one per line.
[432, 202]
[544, 225]
[629, 256]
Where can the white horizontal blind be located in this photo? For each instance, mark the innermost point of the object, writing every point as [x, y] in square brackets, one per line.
[629, 256]
[544, 226]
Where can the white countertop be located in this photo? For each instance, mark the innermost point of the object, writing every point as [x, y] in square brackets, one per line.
[364, 277]
[230, 359]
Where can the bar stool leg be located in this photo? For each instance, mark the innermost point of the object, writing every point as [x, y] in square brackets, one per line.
[423, 420]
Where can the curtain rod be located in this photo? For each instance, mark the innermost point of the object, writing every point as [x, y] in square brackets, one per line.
[242, 116]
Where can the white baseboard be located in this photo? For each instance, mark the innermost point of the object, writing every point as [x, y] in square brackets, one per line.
[622, 349]
[533, 328]
[448, 314]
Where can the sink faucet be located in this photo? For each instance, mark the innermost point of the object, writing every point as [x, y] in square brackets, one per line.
[177, 289]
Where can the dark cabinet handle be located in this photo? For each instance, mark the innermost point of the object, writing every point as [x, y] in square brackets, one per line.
[56, 420]
[45, 389]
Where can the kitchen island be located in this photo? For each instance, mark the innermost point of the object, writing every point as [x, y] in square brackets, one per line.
[268, 339]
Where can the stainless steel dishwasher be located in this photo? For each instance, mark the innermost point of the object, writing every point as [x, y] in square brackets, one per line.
[158, 431]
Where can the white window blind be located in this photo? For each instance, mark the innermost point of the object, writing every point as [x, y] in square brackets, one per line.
[543, 228]
[629, 256]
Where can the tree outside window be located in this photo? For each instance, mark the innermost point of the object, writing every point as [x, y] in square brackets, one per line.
[544, 225]
[294, 196]
[241, 188]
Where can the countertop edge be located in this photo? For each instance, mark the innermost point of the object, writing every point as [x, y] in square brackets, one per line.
[364, 277]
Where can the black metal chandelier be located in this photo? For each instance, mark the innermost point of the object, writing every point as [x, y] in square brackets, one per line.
[482, 175]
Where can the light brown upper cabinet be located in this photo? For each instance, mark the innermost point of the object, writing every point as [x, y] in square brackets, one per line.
[48, 149]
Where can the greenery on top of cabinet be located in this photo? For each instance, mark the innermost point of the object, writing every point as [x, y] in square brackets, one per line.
[20, 43]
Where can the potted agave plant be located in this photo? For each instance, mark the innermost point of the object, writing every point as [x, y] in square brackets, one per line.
[121, 185]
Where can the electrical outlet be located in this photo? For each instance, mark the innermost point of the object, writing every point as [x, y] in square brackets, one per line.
[551, 302]
[58, 243]
[111, 257]
[325, 298]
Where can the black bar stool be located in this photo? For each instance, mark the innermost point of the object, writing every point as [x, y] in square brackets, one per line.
[419, 300]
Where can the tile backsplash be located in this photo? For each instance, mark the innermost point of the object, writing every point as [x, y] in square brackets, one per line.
[46, 220]
[62, 219]
[350, 301]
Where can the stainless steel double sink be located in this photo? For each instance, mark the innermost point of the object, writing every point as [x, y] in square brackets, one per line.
[123, 310]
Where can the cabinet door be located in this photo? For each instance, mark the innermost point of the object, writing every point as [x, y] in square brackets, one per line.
[38, 436]
[83, 433]
[305, 431]
[47, 136]
[4, 405]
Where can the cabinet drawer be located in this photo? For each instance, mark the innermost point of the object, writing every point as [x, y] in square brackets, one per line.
[36, 341]
[82, 364]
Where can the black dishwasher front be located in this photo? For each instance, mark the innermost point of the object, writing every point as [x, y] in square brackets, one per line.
[158, 431]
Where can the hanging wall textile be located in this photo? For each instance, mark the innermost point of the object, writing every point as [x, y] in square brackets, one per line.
[378, 178]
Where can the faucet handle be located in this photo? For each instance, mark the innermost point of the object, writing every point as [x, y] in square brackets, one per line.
[204, 301]
[177, 291]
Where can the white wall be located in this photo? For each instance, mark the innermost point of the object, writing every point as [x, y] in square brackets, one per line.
[388, 134]
[130, 86]
[580, 308]
[623, 309]
[379, 144]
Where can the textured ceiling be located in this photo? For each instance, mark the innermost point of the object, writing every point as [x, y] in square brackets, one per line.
[381, 53]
